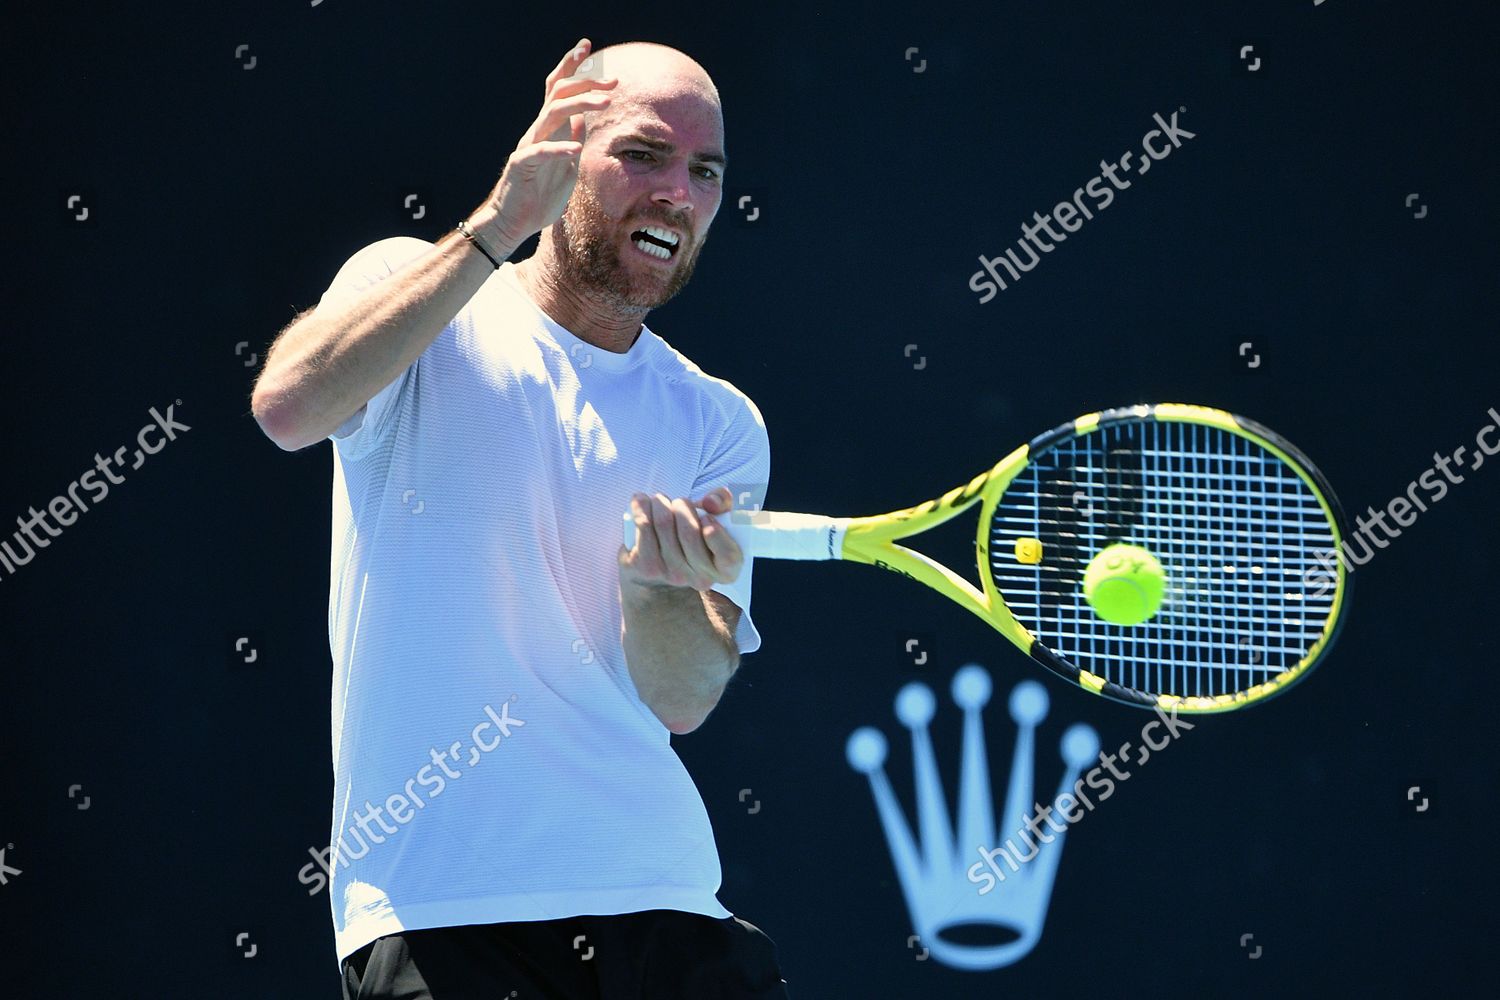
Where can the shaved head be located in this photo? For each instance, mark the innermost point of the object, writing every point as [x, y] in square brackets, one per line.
[648, 71]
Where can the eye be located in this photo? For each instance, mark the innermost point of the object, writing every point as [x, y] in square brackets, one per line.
[637, 152]
[708, 173]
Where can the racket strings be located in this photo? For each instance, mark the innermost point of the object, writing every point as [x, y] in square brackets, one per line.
[1234, 526]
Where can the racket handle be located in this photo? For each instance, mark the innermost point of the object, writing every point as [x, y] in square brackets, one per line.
[766, 534]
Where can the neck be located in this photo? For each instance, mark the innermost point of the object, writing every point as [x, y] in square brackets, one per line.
[584, 312]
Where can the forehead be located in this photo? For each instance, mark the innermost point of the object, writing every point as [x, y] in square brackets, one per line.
[683, 116]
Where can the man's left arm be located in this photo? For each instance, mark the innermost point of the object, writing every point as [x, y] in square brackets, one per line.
[678, 634]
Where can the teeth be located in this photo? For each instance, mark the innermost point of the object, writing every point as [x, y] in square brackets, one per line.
[665, 235]
[653, 249]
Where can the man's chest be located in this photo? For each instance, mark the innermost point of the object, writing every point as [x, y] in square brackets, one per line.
[549, 416]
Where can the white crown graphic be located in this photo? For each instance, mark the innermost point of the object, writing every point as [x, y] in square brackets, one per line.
[939, 893]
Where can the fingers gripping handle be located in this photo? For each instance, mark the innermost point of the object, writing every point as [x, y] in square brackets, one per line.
[766, 534]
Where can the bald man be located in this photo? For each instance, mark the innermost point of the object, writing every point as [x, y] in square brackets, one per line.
[509, 817]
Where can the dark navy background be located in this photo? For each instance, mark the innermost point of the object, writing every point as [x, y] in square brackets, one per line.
[222, 200]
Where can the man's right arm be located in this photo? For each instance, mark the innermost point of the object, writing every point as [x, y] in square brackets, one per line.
[327, 364]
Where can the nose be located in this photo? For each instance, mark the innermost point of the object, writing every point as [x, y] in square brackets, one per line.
[675, 191]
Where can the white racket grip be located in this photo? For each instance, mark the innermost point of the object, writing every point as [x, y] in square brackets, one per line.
[770, 534]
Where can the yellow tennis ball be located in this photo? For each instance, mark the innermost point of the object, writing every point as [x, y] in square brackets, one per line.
[1124, 584]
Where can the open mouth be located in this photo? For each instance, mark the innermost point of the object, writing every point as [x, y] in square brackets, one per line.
[656, 242]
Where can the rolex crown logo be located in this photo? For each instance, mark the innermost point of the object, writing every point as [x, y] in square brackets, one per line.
[941, 877]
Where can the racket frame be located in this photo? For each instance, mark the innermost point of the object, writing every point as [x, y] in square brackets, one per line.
[873, 540]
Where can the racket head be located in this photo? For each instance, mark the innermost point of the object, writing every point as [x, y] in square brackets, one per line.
[1245, 526]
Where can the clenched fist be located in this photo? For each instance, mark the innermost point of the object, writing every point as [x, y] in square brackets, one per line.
[675, 546]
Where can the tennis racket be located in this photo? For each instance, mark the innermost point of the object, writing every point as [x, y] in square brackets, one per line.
[1244, 528]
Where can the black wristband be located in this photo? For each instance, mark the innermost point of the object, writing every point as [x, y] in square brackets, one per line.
[469, 234]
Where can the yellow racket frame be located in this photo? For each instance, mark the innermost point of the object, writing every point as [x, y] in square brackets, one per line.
[872, 540]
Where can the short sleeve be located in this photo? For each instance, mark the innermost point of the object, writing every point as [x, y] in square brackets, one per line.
[368, 266]
[741, 460]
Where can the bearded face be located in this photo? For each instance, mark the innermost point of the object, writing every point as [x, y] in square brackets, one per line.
[617, 258]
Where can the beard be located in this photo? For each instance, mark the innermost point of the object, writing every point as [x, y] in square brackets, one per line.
[589, 256]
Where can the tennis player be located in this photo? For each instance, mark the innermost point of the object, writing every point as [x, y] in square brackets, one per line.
[509, 816]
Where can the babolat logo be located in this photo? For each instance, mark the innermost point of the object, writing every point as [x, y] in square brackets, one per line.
[882, 564]
[940, 877]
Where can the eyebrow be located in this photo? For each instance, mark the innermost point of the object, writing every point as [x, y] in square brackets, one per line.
[662, 146]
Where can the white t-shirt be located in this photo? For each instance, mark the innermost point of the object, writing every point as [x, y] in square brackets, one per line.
[481, 699]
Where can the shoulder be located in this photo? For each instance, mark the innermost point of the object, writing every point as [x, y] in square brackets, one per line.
[369, 265]
[718, 396]
[384, 256]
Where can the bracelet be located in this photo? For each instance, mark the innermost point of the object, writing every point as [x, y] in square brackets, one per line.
[473, 238]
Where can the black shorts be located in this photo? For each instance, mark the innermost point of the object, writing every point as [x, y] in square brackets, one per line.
[651, 955]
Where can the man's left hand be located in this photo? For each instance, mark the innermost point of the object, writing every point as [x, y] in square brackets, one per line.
[677, 547]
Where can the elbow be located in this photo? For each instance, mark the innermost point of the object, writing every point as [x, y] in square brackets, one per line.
[682, 716]
[279, 402]
[270, 413]
[680, 724]
[682, 693]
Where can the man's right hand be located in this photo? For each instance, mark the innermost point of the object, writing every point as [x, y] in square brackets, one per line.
[539, 176]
